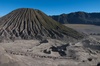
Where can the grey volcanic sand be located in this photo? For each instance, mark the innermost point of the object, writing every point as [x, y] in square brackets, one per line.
[30, 53]
[85, 28]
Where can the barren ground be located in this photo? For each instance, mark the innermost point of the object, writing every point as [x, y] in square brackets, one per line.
[31, 52]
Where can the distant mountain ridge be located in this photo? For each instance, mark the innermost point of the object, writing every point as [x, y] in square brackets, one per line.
[78, 18]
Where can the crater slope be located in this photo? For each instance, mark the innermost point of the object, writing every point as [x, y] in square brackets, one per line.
[27, 23]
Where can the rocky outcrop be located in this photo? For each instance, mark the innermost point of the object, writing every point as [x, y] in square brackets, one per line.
[34, 55]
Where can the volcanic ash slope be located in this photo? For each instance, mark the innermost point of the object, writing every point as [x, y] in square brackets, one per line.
[26, 23]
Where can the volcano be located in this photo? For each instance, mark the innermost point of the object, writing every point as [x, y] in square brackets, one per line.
[27, 23]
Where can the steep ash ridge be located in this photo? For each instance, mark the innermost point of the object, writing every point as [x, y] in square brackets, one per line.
[27, 23]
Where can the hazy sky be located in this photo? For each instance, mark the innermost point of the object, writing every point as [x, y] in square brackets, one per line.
[51, 7]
